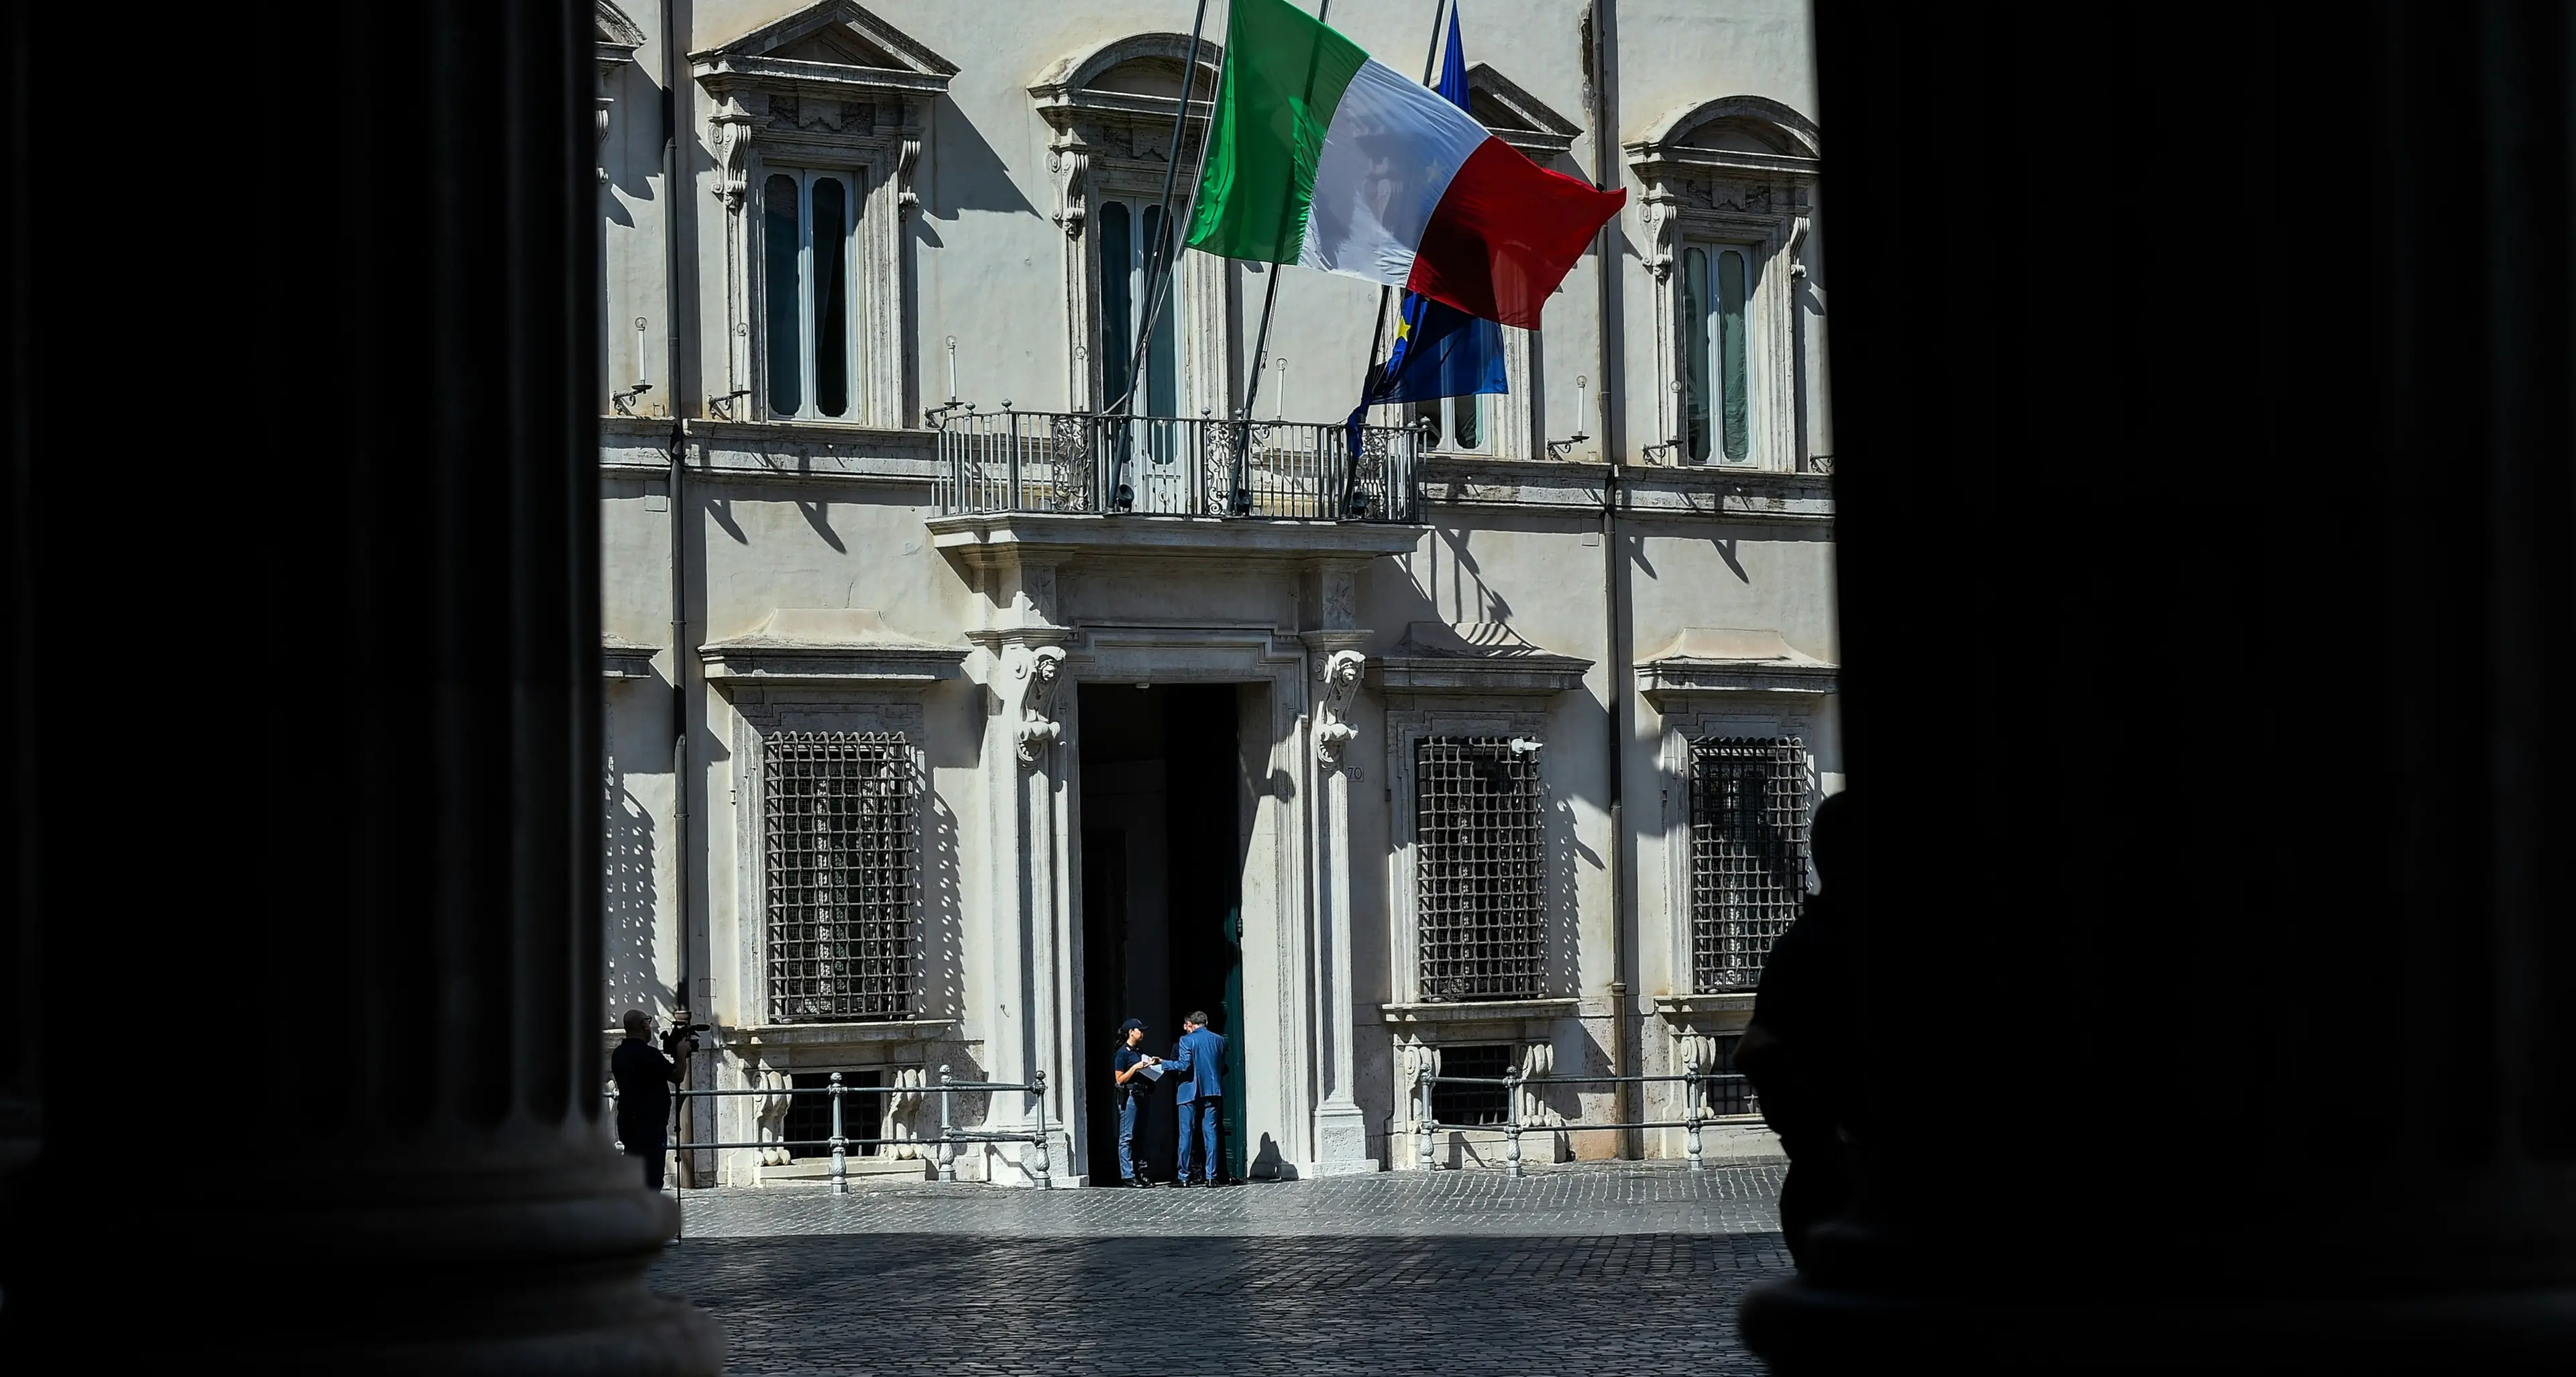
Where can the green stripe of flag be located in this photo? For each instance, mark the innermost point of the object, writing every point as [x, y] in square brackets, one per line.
[1284, 75]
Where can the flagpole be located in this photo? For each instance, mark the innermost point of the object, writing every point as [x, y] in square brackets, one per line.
[1235, 504]
[1386, 293]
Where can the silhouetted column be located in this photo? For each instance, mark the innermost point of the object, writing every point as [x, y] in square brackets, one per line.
[2207, 564]
[313, 680]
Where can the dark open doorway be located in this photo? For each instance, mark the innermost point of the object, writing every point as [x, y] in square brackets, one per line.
[1162, 892]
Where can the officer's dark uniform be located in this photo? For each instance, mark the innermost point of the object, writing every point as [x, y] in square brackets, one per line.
[1131, 1109]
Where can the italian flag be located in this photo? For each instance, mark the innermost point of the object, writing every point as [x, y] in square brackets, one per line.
[1325, 156]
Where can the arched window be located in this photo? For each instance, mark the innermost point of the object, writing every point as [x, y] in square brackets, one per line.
[817, 133]
[1729, 185]
[1111, 108]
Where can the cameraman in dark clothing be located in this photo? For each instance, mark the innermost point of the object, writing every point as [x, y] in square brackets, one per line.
[1802, 1050]
[644, 1079]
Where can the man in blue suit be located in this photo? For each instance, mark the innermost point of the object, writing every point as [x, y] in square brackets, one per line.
[1198, 1066]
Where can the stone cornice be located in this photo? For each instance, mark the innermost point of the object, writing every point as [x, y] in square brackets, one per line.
[1539, 132]
[845, 647]
[1479, 1011]
[1481, 658]
[1708, 1015]
[1666, 683]
[624, 659]
[983, 538]
[1711, 662]
[759, 1038]
[823, 452]
[745, 63]
[1064, 94]
[1668, 147]
[773, 449]
[614, 36]
[1650, 489]
[722, 73]
[1686, 1006]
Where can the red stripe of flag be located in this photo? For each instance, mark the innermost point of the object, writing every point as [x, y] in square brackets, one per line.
[1505, 233]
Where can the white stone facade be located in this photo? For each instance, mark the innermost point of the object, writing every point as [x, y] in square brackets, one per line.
[807, 582]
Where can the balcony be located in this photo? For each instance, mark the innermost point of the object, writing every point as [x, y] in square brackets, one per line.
[1063, 463]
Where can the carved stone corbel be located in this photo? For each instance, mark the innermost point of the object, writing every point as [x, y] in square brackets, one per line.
[729, 133]
[601, 117]
[907, 155]
[1333, 731]
[1797, 247]
[1659, 220]
[1072, 167]
[1029, 680]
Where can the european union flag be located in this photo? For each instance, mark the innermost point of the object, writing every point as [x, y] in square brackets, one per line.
[1440, 351]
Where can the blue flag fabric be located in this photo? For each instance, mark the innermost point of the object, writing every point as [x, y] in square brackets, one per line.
[1440, 351]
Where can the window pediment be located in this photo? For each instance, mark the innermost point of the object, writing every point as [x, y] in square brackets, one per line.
[1743, 137]
[616, 35]
[1707, 662]
[1131, 85]
[834, 51]
[1479, 658]
[1517, 117]
[829, 646]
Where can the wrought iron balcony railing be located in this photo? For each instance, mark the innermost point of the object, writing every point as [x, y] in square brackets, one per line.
[1049, 461]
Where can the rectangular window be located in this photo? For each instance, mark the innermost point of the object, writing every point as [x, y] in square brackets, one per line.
[841, 823]
[1479, 868]
[1127, 237]
[1748, 815]
[1716, 284]
[809, 330]
[809, 1114]
[1471, 1106]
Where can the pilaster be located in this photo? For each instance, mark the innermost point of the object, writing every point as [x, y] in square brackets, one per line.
[1341, 1129]
[1029, 915]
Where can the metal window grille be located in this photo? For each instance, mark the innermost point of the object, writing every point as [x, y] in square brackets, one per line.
[842, 819]
[1732, 1095]
[1748, 853]
[1479, 869]
[809, 1117]
[1469, 1105]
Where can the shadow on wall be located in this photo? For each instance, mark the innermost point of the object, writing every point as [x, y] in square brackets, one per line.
[627, 899]
[942, 944]
[969, 173]
[1573, 860]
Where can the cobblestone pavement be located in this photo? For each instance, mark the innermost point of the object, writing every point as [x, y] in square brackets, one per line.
[1610, 1268]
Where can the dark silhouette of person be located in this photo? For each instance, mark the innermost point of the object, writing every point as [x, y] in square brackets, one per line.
[644, 1078]
[1802, 1049]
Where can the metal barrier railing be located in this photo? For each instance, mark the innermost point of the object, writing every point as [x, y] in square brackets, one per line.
[840, 1142]
[1054, 461]
[1427, 1125]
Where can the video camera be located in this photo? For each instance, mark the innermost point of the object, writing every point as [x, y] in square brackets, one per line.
[682, 1040]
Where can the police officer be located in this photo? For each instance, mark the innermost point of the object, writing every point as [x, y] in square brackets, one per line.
[1129, 1067]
